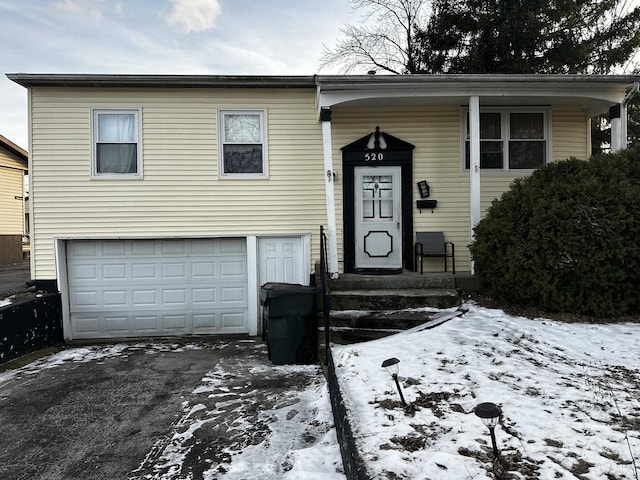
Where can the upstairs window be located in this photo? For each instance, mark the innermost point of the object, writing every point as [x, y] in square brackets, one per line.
[510, 140]
[243, 146]
[116, 143]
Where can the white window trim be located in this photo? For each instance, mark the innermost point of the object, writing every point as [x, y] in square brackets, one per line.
[262, 112]
[95, 111]
[504, 131]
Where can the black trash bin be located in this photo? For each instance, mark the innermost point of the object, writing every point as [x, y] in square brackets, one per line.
[290, 321]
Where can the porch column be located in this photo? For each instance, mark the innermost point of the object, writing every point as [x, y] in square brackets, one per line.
[474, 166]
[325, 118]
[618, 114]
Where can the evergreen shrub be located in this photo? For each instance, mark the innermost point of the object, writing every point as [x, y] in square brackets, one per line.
[567, 238]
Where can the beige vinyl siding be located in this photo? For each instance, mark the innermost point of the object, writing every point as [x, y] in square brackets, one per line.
[12, 217]
[10, 160]
[180, 194]
[11, 186]
[570, 133]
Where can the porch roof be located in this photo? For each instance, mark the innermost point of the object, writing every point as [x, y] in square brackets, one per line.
[594, 93]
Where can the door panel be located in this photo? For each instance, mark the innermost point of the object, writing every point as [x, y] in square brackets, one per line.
[378, 220]
[281, 260]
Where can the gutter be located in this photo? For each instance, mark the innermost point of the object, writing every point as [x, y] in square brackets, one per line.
[28, 80]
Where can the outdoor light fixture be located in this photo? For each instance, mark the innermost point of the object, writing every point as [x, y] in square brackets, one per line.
[391, 367]
[490, 413]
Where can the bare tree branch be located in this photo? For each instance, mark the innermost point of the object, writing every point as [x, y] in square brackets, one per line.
[385, 41]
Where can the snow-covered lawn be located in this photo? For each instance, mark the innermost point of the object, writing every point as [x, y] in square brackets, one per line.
[569, 393]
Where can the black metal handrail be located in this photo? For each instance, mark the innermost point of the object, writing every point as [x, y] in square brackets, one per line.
[324, 285]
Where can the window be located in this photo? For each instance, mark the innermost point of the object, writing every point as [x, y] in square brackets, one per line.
[116, 143]
[243, 149]
[510, 140]
[526, 140]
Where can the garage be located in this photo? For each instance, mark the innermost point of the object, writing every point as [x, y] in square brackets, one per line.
[157, 287]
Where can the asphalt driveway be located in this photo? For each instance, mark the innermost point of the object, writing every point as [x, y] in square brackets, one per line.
[14, 278]
[160, 410]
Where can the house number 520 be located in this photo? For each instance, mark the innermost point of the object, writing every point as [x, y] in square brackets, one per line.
[373, 157]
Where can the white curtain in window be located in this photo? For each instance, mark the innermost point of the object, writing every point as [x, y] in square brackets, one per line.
[117, 144]
[116, 128]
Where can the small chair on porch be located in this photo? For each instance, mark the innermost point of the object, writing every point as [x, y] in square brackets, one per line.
[432, 244]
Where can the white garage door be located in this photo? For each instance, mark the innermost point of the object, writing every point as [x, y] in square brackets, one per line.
[135, 288]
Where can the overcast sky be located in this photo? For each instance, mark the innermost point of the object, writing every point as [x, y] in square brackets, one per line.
[218, 37]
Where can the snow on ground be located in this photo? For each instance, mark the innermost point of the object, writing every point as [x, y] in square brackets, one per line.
[301, 438]
[569, 393]
[272, 434]
[246, 418]
[570, 396]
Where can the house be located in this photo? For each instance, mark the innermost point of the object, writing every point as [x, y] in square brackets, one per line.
[160, 204]
[13, 167]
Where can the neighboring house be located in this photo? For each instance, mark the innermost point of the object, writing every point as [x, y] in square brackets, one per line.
[13, 167]
[160, 204]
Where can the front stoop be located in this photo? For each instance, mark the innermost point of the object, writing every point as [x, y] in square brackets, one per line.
[394, 299]
[366, 307]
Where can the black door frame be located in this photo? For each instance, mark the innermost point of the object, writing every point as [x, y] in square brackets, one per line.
[377, 149]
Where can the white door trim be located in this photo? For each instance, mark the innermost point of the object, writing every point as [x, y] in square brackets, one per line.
[60, 248]
[253, 293]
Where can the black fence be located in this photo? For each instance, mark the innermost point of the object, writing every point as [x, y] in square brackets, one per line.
[30, 325]
[353, 464]
[324, 286]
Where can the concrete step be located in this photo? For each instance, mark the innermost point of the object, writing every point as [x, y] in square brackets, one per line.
[393, 319]
[406, 280]
[367, 307]
[396, 299]
[345, 335]
[356, 326]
